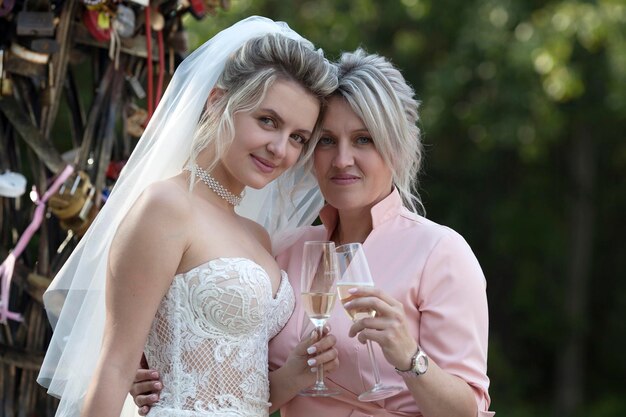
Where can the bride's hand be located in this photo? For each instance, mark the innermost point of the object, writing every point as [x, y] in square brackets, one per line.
[310, 353]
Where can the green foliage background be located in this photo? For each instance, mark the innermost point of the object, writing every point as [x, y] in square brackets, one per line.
[524, 119]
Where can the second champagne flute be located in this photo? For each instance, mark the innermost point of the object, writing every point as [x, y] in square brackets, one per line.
[355, 273]
[318, 280]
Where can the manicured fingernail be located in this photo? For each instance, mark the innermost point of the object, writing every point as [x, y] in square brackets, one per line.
[154, 374]
[311, 362]
[153, 397]
[157, 385]
[347, 305]
[352, 290]
[313, 370]
[311, 350]
[314, 334]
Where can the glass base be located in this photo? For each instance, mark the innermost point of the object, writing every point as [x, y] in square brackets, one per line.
[318, 390]
[380, 392]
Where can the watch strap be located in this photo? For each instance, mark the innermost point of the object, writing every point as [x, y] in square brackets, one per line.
[413, 370]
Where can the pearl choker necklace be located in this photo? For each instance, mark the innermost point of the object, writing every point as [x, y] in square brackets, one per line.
[217, 188]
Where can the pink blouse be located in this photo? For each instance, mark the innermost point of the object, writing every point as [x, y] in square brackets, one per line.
[434, 273]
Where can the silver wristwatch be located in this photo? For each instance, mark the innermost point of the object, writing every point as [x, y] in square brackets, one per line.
[419, 365]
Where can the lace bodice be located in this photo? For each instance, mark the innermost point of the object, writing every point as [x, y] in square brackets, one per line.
[209, 339]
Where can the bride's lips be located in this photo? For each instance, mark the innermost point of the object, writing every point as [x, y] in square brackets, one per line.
[344, 179]
[264, 165]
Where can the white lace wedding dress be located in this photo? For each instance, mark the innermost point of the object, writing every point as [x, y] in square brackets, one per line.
[209, 339]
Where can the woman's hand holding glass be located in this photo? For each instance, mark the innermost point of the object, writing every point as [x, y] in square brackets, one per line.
[310, 353]
[389, 328]
[355, 288]
[318, 292]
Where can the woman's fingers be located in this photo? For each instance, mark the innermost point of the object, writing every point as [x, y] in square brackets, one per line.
[328, 359]
[381, 307]
[147, 399]
[145, 388]
[361, 292]
[146, 375]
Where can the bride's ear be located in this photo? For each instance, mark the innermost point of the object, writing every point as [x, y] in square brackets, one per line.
[215, 96]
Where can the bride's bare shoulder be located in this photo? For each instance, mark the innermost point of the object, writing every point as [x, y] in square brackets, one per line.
[169, 197]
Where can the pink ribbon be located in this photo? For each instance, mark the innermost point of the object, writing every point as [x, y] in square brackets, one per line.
[6, 269]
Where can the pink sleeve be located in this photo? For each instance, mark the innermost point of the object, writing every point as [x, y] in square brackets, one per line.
[454, 321]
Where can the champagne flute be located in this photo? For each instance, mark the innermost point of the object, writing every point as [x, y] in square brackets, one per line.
[355, 273]
[318, 280]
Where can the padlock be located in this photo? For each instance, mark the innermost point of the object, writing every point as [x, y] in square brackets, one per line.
[77, 225]
[91, 21]
[124, 21]
[135, 121]
[12, 184]
[157, 21]
[83, 214]
[35, 23]
[136, 86]
[6, 87]
[45, 46]
[197, 9]
[71, 198]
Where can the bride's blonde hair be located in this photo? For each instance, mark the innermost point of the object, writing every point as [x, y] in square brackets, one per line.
[247, 76]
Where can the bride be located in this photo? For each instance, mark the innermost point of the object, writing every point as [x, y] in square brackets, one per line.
[187, 279]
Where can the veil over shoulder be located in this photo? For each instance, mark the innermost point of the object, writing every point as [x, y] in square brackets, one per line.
[75, 300]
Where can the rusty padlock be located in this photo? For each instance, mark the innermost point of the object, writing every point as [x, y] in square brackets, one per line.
[79, 224]
[135, 120]
[35, 23]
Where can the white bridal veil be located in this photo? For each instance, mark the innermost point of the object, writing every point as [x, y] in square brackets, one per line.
[75, 300]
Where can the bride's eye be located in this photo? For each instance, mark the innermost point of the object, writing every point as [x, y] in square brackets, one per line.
[299, 138]
[267, 121]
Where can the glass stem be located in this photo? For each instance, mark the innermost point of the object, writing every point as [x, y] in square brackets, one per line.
[320, 367]
[370, 351]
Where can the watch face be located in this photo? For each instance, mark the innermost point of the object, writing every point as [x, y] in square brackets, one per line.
[421, 363]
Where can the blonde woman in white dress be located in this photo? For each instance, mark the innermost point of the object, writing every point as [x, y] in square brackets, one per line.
[169, 267]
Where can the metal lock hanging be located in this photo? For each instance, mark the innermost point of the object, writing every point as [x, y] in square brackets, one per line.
[72, 198]
[124, 21]
[135, 120]
[78, 225]
[35, 23]
[45, 46]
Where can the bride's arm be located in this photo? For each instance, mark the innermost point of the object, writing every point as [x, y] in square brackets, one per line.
[143, 259]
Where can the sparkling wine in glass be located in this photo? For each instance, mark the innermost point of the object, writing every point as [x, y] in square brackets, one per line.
[318, 293]
[355, 273]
